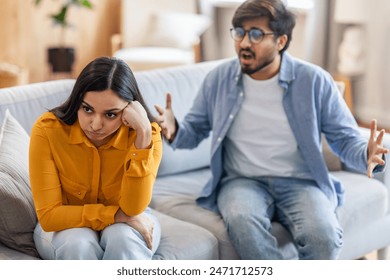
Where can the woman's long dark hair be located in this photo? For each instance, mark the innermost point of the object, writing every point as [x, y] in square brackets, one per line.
[101, 74]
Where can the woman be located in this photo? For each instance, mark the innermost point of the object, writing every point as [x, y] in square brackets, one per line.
[93, 163]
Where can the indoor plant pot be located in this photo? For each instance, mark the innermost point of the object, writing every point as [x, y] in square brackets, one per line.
[61, 58]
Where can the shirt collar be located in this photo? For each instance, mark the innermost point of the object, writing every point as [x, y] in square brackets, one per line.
[287, 69]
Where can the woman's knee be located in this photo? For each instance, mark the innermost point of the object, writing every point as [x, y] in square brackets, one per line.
[121, 241]
[79, 249]
[81, 244]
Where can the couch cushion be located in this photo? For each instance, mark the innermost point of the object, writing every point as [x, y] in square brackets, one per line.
[7, 253]
[362, 215]
[17, 213]
[361, 192]
[184, 241]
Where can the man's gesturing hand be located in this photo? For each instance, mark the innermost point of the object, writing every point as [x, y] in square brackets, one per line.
[375, 149]
[166, 119]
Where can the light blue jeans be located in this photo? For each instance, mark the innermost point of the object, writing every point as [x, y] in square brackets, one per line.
[248, 206]
[116, 242]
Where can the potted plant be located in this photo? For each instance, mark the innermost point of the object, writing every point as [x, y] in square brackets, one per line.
[61, 58]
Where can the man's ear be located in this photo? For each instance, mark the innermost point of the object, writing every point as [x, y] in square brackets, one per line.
[281, 42]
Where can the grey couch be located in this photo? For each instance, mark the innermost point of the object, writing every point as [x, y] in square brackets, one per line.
[190, 232]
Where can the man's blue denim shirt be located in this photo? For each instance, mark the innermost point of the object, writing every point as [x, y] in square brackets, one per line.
[313, 105]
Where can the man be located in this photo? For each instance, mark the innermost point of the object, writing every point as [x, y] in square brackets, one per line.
[267, 111]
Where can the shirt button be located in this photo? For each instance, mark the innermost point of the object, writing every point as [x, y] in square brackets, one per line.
[219, 139]
[241, 94]
[231, 116]
[134, 154]
[79, 193]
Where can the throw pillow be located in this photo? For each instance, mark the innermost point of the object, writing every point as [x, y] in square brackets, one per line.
[17, 212]
[177, 30]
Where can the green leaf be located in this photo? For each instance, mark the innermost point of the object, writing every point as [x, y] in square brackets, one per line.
[60, 18]
[87, 4]
[82, 3]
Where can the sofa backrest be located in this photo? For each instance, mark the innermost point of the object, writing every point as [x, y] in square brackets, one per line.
[26, 103]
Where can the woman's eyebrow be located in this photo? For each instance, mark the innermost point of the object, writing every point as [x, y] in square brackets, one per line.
[118, 109]
[107, 111]
[85, 103]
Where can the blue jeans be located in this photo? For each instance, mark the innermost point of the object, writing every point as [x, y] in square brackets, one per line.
[116, 242]
[248, 206]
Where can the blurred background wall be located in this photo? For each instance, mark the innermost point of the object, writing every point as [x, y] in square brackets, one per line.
[27, 31]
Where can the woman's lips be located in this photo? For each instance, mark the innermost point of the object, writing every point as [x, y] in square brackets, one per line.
[95, 134]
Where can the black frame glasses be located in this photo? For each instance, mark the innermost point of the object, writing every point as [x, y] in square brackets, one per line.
[255, 35]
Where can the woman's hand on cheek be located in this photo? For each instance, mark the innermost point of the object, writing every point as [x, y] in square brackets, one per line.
[135, 116]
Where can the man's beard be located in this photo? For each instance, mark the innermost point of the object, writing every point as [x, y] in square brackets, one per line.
[250, 71]
[247, 70]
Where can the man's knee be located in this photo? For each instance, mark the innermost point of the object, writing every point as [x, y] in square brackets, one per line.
[323, 243]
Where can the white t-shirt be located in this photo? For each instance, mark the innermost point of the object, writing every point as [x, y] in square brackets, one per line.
[260, 141]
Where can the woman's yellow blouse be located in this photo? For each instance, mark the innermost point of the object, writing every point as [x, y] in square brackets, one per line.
[75, 184]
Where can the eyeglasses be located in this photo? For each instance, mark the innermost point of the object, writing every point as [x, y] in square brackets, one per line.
[255, 35]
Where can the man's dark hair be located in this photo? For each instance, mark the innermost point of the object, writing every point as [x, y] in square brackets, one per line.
[281, 20]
